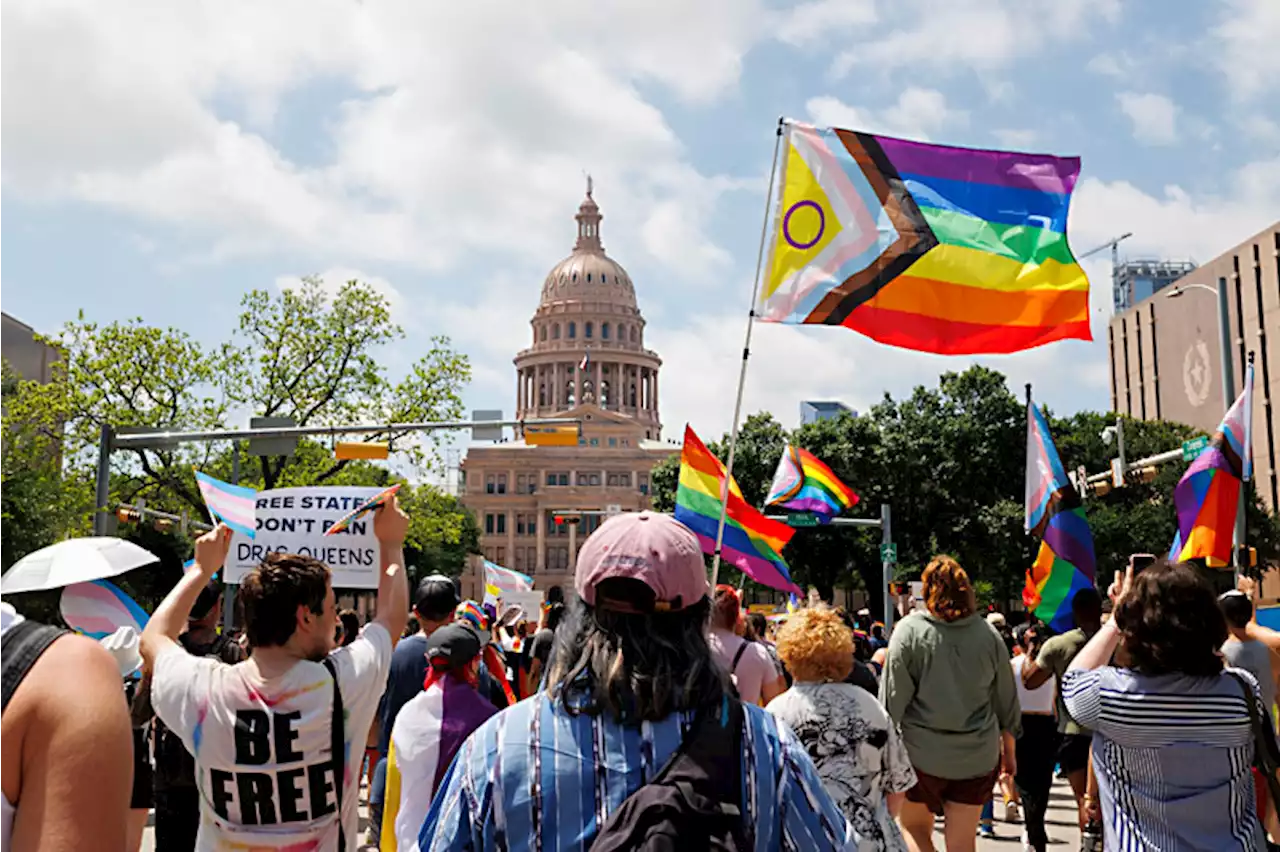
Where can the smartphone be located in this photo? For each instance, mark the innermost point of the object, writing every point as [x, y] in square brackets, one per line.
[1138, 561]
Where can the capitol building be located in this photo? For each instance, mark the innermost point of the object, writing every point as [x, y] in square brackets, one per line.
[586, 359]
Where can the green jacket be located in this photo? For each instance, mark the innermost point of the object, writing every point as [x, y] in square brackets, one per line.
[949, 686]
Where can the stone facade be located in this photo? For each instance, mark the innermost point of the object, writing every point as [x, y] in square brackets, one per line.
[586, 359]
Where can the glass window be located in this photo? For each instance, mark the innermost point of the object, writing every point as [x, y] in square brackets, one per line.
[502, 523]
[587, 328]
[555, 331]
[489, 524]
[502, 483]
[613, 442]
[573, 330]
[490, 484]
[604, 331]
[542, 333]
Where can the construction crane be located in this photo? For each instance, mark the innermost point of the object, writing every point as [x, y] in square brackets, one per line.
[1114, 245]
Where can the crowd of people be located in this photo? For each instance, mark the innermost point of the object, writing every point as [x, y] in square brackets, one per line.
[650, 712]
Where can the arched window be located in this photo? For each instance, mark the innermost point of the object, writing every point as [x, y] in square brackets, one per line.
[604, 331]
[542, 333]
[573, 330]
[622, 333]
[634, 336]
[587, 328]
[555, 331]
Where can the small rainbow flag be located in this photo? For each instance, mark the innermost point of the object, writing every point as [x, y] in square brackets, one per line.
[233, 505]
[805, 484]
[752, 542]
[1066, 562]
[369, 505]
[1208, 495]
[934, 248]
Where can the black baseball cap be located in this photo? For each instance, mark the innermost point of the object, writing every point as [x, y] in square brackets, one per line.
[437, 597]
[206, 601]
[453, 646]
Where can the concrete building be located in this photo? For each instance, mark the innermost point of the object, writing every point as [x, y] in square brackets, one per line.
[1137, 280]
[586, 359]
[811, 411]
[30, 358]
[1165, 352]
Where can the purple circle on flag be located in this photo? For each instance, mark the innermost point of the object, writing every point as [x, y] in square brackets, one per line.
[786, 224]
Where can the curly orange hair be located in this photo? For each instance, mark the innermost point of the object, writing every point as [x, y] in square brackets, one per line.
[947, 591]
[815, 646]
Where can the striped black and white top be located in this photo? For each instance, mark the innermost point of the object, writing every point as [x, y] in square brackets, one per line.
[1173, 755]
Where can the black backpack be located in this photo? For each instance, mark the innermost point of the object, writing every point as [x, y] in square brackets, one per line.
[694, 802]
[175, 767]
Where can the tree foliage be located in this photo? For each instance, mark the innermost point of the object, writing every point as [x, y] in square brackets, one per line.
[317, 358]
[949, 461]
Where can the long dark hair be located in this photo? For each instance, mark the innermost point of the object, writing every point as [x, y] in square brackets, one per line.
[1170, 622]
[635, 666]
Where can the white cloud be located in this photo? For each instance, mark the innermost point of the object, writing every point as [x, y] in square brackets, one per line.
[974, 34]
[918, 113]
[1017, 138]
[821, 20]
[1246, 38]
[332, 280]
[1154, 117]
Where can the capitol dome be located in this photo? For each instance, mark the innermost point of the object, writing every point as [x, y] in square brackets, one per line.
[588, 338]
[588, 274]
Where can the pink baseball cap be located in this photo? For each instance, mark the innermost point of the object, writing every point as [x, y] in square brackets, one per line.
[655, 549]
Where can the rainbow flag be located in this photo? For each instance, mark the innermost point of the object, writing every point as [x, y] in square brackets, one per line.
[752, 542]
[1065, 563]
[1208, 495]
[369, 505]
[804, 484]
[929, 247]
[233, 505]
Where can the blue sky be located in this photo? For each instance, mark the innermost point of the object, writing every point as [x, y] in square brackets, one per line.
[162, 160]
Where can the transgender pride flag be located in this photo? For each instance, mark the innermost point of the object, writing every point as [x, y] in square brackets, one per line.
[233, 505]
[505, 580]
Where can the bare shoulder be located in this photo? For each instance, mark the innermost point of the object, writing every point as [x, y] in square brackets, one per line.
[72, 673]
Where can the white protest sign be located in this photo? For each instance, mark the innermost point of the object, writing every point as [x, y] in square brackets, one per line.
[530, 602]
[293, 520]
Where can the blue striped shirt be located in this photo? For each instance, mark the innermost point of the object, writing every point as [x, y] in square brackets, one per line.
[1173, 755]
[535, 777]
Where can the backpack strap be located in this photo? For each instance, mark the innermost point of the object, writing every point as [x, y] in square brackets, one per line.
[22, 645]
[742, 649]
[337, 739]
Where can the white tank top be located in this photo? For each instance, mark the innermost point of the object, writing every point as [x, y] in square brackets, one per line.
[1039, 700]
[8, 618]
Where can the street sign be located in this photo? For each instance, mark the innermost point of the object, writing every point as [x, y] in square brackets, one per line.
[283, 446]
[1194, 447]
[1117, 473]
[889, 552]
[486, 433]
[802, 519]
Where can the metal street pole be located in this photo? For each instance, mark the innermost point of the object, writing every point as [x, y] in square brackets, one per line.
[102, 490]
[886, 565]
[1228, 398]
[229, 589]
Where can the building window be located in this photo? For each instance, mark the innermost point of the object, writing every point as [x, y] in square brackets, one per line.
[502, 523]
[573, 330]
[502, 483]
[542, 333]
[634, 336]
[588, 479]
[557, 479]
[620, 479]
[519, 554]
[555, 331]
[587, 328]
[490, 484]
[613, 442]
[642, 481]
[499, 555]
[604, 331]
[522, 480]
[489, 523]
[595, 442]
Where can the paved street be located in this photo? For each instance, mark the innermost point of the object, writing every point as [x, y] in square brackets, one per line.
[1061, 822]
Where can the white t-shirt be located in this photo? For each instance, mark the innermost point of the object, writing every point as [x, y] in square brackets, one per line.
[1039, 700]
[262, 746]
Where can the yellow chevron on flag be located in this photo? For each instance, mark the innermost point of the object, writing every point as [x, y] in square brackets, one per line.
[808, 222]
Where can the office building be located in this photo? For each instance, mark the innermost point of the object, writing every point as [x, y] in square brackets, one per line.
[812, 411]
[1135, 281]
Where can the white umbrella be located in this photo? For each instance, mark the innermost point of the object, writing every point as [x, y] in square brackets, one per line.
[76, 560]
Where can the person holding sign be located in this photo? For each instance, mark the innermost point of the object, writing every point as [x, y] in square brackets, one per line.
[270, 735]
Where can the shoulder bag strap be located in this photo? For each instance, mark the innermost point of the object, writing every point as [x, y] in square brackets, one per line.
[337, 740]
[22, 645]
[1265, 756]
[742, 649]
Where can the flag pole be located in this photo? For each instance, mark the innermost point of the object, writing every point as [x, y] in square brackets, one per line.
[746, 353]
[1239, 531]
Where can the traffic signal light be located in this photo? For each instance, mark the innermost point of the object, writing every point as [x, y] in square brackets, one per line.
[1145, 474]
[1248, 556]
[126, 515]
[561, 520]
[365, 450]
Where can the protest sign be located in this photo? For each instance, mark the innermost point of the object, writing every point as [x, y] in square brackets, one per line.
[294, 520]
[530, 602]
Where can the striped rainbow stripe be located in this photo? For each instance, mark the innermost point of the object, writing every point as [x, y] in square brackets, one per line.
[233, 505]
[804, 484]
[501, 579]
[751, 542]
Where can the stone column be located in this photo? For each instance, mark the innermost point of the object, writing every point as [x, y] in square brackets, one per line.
[655, 395]
[599, 373]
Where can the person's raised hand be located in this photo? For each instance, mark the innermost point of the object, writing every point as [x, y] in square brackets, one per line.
[212, 549]
[390, 523]
[1120, 586]
[1247, 585]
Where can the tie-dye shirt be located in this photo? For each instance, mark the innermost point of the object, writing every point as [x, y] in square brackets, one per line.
[262, 745]
[535, 777]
